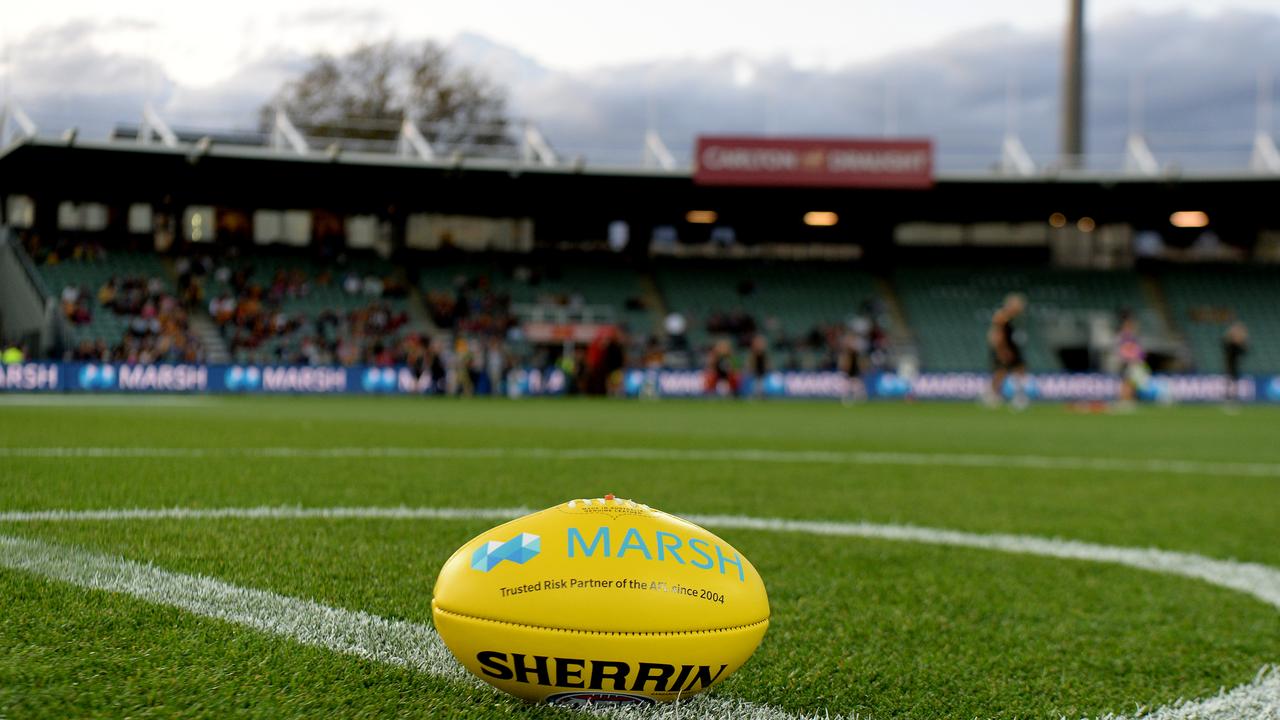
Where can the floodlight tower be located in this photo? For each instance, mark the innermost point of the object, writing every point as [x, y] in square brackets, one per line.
[1072, 146]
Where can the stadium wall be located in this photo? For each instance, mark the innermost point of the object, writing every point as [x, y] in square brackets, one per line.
[22, 301]
[75, 377]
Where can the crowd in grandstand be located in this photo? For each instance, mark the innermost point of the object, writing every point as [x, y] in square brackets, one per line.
[299, 309]
[155, 324]
[255, 321]
[471, 306]
[477, 339]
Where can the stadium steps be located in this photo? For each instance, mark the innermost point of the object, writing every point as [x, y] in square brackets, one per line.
[1153, 292]
[419, 319]
[654, 300]
[199, 322]
[900, 333]
[203, 327]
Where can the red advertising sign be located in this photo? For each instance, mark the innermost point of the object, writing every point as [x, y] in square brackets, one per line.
[550, 332]
[814, 162]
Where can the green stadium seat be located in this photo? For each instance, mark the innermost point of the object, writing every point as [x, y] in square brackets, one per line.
[950, 309]
[1205, 299]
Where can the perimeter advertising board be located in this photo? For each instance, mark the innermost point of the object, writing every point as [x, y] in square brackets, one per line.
[289, 379]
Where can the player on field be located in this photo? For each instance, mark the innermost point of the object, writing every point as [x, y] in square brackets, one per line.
[1135, 374]
[720, 379]
[1006, 353]
[1235, 343]
[852, 352]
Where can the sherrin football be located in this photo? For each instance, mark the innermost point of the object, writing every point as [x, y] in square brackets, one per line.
[601, 601]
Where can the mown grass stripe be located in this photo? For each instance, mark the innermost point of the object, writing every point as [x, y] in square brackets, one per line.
[970, 460]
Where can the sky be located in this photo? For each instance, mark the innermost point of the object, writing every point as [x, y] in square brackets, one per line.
[594, 74]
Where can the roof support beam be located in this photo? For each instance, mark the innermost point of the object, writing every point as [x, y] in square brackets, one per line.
[15, 125]
[411, 142]
[285, 136]
[153, 124]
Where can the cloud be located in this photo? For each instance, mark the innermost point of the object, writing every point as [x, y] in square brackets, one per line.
[1198, 76]
[339, 16]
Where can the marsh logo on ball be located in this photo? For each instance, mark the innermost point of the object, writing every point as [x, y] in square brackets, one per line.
[600, 601]
[519, 549]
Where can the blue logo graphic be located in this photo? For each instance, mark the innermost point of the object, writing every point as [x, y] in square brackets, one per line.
[774, 384]
[378, 380]
[97, 377]
[891, 385]
[519, 549]
[243, 378]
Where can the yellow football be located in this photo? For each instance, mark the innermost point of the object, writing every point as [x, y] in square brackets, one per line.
[600, 601]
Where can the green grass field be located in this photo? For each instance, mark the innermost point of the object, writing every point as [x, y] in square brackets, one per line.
[861, 625]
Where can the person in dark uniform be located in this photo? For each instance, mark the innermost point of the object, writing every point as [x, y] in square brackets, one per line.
[1235, 344]
[720, 379]
[1006, 353]
[850, 363]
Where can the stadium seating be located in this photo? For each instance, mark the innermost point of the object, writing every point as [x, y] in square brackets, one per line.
[1205, 300]
[88, 273]
[613, 288]
[785, 300]
[309, 290]
[950, 309]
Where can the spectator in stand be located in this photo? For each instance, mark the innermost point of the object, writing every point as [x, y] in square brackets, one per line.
[496, 365]
[1235, 344]
[107, 293]
[675, 325]
[852, 354]
[615, 361]
[758, 364]
[351, 284]
[462, 381]
[437, 367]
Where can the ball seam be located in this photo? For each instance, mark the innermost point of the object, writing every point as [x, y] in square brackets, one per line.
[710, 631]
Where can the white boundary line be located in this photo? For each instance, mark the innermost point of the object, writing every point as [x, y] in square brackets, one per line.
[820, 457]
[418, 647]
[265, 512]
[82, 400]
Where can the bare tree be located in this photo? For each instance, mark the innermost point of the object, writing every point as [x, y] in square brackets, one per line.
[367, 93]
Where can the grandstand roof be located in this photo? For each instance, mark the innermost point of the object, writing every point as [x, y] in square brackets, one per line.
[574, 199]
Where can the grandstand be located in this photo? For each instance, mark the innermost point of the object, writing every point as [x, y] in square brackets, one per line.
[309, 304]
[512, 256]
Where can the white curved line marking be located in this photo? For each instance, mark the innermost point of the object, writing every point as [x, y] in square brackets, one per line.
[820, 457]
[265, 512]
[418, 647]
